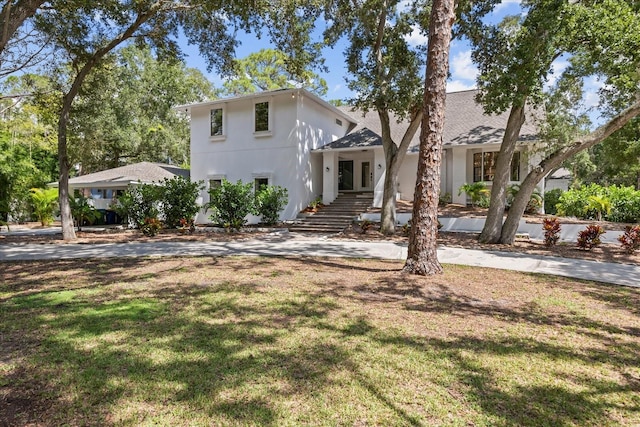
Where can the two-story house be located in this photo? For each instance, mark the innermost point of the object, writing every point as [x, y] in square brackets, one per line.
[294, 139]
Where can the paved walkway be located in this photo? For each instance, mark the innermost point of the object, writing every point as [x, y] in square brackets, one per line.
[290, 245]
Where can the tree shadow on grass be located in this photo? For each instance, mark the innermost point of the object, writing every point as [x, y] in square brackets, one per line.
[218, 347]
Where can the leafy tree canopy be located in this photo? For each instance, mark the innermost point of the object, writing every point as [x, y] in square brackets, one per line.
[27, 143]
[616, 161]
[125, 113]
[267, 69]
[385, 70]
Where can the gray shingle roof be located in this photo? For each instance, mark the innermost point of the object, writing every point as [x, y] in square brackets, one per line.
[361, 138]
[465, 124]
[144, 172]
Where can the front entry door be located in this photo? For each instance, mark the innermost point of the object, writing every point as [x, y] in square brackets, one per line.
[345, 175]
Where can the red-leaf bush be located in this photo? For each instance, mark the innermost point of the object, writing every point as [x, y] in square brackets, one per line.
[151, 227]
[590, 237]
[551, 227]
[630, 240]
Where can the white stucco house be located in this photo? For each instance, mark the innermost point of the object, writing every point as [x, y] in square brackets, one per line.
[294, 139]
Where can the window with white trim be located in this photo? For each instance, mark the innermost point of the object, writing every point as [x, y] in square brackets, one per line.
[216, 118]
[484, 166]
[261, 117]
[215, 183]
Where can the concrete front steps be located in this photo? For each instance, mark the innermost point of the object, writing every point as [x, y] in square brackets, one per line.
[335, 217]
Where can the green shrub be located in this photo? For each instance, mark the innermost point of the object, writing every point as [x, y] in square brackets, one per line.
[444, 199]
[535, 201]
[618, 204]
[478, 192]
[270, 200]
[574, 202]
[231, 203]
[44, 202]
[551, 199]
[625, 204]
[601, 205]
[138, 203]
[178, 197]
[82, 211]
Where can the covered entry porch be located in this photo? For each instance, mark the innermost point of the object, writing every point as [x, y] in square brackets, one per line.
[351, 171]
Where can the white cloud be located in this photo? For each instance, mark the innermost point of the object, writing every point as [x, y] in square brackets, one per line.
[557, 68]
[462, 67]
[592, 87]
[458, 85]
[337, 88]
[505, 4]
[417, 37]
[404, 5]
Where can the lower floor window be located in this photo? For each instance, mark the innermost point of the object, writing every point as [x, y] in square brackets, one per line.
[484, 166]
[214, 183]
[259, 183]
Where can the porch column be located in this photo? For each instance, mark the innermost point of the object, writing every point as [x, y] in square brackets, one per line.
[458, 174]
[329, 177]
[379, 168]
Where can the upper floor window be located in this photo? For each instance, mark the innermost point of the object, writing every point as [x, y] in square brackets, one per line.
[217, 122]
[261, 116]
[484, 166]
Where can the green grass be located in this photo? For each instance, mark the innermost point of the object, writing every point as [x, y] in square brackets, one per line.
[268, 341]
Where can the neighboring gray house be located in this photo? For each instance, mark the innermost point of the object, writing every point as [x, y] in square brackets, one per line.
[105, 185]
[561, 179]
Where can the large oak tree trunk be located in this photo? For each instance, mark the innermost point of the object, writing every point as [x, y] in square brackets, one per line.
[519, 204]
[422, 257]
[388, 212]
[68, 230]
[493, 224]
[394, 156]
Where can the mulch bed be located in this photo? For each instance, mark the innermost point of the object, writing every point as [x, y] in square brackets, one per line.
[607, 252]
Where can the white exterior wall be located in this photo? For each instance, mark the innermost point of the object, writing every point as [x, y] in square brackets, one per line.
[316, 127]
[407, 177]
[297, 125]
[459, 174]
[329, 176]
[553, 183]
[409, 173]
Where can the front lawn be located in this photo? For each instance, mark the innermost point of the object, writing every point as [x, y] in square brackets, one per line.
[289, 341]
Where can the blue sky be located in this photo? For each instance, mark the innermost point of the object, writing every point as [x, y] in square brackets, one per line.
[463, 71]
